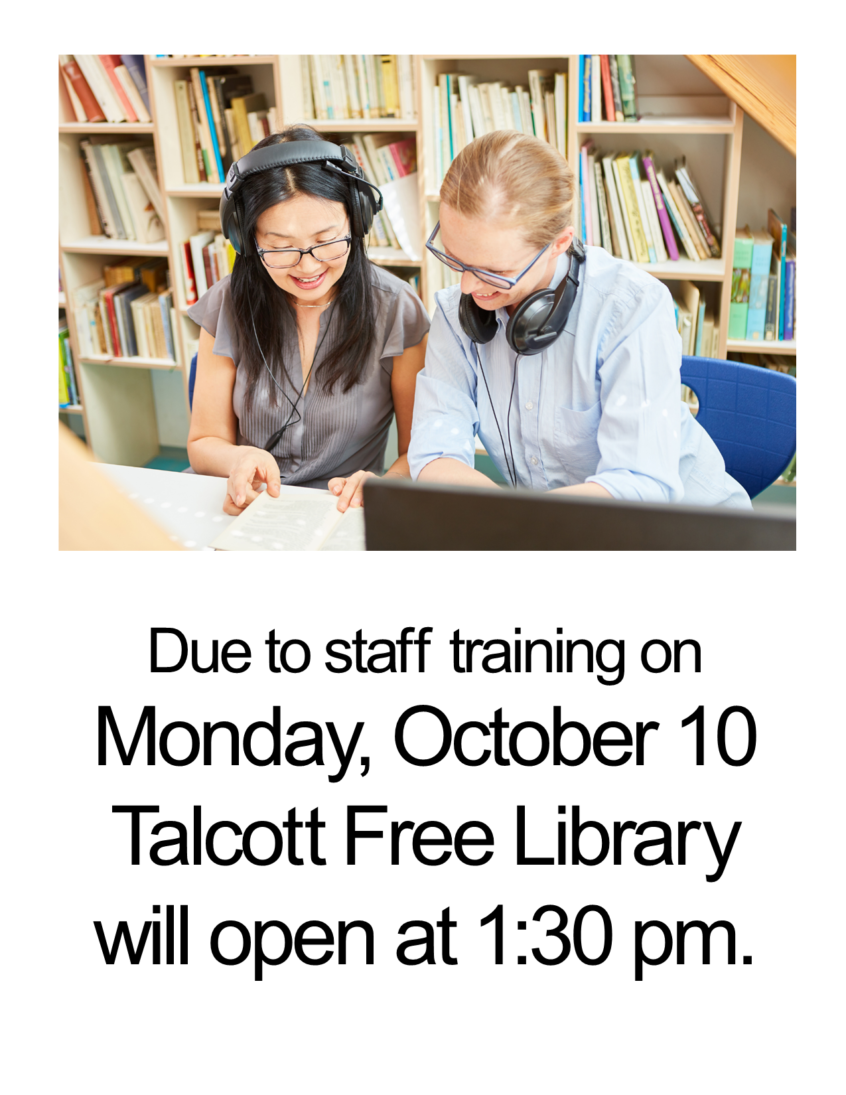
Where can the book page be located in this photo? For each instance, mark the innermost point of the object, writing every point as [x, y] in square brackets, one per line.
[347, 535]
[291, 522]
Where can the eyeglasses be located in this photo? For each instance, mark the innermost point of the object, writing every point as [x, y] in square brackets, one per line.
[292, 256]
[499, 281]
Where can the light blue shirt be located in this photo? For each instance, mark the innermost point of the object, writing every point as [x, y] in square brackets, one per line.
[601, 405]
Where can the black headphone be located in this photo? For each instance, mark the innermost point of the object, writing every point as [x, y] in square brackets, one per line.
[365, 199]
[537, 321]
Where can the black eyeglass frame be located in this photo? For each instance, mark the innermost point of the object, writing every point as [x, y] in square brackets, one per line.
[262, 251]
[500, 280]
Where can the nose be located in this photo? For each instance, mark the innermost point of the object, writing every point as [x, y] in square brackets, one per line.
[308, 264]
[471, 284]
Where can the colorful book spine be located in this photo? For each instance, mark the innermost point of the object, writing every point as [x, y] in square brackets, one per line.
[212, 128]
[762, 247]
[663, 217]
[789, 296]
[741, 274]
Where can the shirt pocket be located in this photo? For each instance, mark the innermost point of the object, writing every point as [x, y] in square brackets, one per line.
[574, 440]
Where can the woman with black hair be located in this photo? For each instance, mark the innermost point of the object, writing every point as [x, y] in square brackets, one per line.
[307, 349]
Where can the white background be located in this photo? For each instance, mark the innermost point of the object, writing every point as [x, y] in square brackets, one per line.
[77, 636]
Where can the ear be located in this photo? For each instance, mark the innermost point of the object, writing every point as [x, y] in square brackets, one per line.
[562, 243]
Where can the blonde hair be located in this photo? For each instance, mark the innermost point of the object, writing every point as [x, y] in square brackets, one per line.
[510, 176]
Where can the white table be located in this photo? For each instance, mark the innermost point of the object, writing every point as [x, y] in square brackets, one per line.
[188, 507]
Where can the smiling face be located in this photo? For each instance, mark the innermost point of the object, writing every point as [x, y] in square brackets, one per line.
[303, 221]
[500, 247]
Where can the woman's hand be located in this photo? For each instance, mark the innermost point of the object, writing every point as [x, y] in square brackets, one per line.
[251, 468]
[351, 489]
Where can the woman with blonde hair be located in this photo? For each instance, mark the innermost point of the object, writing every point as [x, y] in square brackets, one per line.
[564, 360]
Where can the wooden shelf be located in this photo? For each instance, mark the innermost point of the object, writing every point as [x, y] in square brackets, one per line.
[384, 256]
[209, 62]
[130, 362]
[699, 126]
[61, 300]
[76, 409]
[107, 127]
[102, 245]
[704, 270]
[785, 347]
[195, 190]
[362, 125]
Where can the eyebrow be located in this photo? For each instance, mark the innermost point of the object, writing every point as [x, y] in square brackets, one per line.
[282, 236]
[487, 269]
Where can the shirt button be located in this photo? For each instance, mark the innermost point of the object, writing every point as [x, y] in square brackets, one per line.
[529, 405]
[534, 460]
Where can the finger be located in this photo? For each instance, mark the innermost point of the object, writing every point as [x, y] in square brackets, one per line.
[272, 477]
[336, 485]
[348, 492]
[238, 480]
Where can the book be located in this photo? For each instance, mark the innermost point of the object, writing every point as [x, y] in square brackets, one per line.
[202, 161]
[242, 105]
[541, 80]
[646, 224]
[109, 63]
[604, 219]
[618, 229]
[654, 224]
[76, 81]
[778, 230]
[632, 207]
[146, 221]
[625, 70]
[584, 186]
[596, 225]
[137, 70]
[100, 87]
[741, 274]
[292, 522]
[189, 281]
[595, 89]
[615, 168]
[143, 163]
[131, 92]
[771, 314]
[560, 93]
[706, 345]
[615, 88]
[789, 294]
[692, 194]
[208, 141]
[660, 207]
[694, 232]
[198, 241]
[607, 91]
[584, 74]
[676, 218]
[688, 295]
[762, 248]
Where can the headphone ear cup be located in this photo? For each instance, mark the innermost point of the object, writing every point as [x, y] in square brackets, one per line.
[358, 222]
[529, 319]
[479, 325]
[235, 234]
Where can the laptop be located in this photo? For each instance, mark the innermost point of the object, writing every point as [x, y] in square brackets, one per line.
[403, 516]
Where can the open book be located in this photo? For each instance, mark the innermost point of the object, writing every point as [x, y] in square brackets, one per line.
[294, 522]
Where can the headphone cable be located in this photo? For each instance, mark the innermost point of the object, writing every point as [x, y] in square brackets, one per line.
[512, 475]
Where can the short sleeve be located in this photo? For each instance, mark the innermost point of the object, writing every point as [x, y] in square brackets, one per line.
[406, 322]
[213, 312]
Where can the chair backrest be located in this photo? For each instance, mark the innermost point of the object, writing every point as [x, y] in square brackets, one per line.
[750, 413]
[192, 376]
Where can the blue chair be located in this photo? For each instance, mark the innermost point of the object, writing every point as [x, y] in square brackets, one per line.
[750, 413]
[192, 376]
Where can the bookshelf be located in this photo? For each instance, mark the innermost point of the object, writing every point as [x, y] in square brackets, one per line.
[132, 406]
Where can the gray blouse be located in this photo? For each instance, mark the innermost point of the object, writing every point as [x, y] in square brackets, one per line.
[331, 434]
